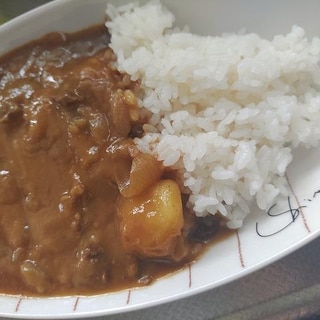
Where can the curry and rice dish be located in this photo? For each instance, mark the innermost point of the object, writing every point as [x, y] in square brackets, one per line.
[82, 210]
[126, 150]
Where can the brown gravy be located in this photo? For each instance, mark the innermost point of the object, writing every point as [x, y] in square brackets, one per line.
[66, 124]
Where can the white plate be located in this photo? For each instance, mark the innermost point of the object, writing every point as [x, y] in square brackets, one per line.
[246, 250]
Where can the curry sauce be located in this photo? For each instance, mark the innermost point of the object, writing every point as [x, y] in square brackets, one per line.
[67, 164]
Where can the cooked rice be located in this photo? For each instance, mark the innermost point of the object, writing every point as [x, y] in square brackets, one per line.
[226, 111]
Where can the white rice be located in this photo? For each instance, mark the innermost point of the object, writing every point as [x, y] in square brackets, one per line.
[226, 111]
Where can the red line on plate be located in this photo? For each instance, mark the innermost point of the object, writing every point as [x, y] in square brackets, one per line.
[75, 306]
[18, 305]
[128, 297]
[240, 250]
[298, 202]
[190, 275]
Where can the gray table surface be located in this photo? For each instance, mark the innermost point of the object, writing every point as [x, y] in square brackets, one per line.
[286, 289]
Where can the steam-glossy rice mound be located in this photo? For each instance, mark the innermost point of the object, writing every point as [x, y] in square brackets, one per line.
[225, 111]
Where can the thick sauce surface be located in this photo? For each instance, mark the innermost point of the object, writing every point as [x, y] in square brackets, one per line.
[66, 122]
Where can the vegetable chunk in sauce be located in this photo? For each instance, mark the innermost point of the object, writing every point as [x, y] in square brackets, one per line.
[71, 177]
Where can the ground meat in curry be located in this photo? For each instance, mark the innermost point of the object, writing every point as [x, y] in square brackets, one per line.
[71, 179]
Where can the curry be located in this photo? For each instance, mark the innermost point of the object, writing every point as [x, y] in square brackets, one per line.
[82, 210]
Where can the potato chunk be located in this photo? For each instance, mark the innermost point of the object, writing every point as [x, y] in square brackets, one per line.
[152, 221]
[145, 171]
